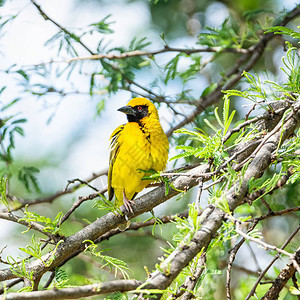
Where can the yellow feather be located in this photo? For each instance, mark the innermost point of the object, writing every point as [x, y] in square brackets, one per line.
[136, 146]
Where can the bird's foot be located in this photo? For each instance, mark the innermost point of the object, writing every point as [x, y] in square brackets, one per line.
[128, 204]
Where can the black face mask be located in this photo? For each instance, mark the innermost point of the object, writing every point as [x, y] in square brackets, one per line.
[136, 113]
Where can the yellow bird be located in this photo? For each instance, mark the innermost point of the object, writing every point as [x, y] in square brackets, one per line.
[140, 144]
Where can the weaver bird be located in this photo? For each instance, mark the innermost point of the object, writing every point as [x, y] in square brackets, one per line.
[136, 146]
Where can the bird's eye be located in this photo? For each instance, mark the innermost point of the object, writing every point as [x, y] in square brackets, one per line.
[139, 107]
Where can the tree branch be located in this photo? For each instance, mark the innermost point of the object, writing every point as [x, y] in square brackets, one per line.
[282, 278]
[159, 51]
[191, 281]
[77, 292]
[30, 225]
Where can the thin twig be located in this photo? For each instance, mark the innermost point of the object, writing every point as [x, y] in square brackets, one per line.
[72, 35]
[267, 205]
[248, 122]
[112, 56]
[254, 258]
[30, 224]
[200, 186]
[82, 182]
[220, 179]
[50, 279]
[79, 202]
[10, 284]
[199, 193]
[54, 196]
[231, 259]
[260, 242]
[262, 274]
[248, 272]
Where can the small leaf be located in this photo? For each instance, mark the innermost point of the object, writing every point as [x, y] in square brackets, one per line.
[218, 118]
[103, 26]
[23, 74]
[19, 121]
[209, 89]
[9, 104]
[100, 107]
[211, 125]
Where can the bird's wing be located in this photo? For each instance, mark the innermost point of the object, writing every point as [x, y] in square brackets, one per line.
[114, 150]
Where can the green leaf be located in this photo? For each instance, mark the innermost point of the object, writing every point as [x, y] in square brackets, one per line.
[3, 197]
[50, 226]
[92, 83]
[103, 26]
[228, 36]
[226, 110]
[23, 74]
[284, 30]
[61, 278]
[10, 104]
[27, 176]
[208, 90]
[227, 121]
[138, 44]
[171, 68]
[103, 204]
[254, 14]
[111, 262]
[100, 107]
[211, 125]
[217, 117]
[294, 291]
[19, 130]
[19, 121]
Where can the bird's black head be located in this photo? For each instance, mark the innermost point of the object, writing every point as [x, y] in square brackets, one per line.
[135, 113]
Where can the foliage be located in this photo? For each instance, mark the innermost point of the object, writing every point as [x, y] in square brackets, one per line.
[284, 30]
[112, 262]
[104, 204]
[3, 189]
[10, 126]
[61, 278]
[213, 149]
[50, 225]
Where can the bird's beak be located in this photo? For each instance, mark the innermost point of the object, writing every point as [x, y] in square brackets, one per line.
[128, 110]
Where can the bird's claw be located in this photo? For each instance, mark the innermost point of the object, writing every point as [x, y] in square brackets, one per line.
[128, 205]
